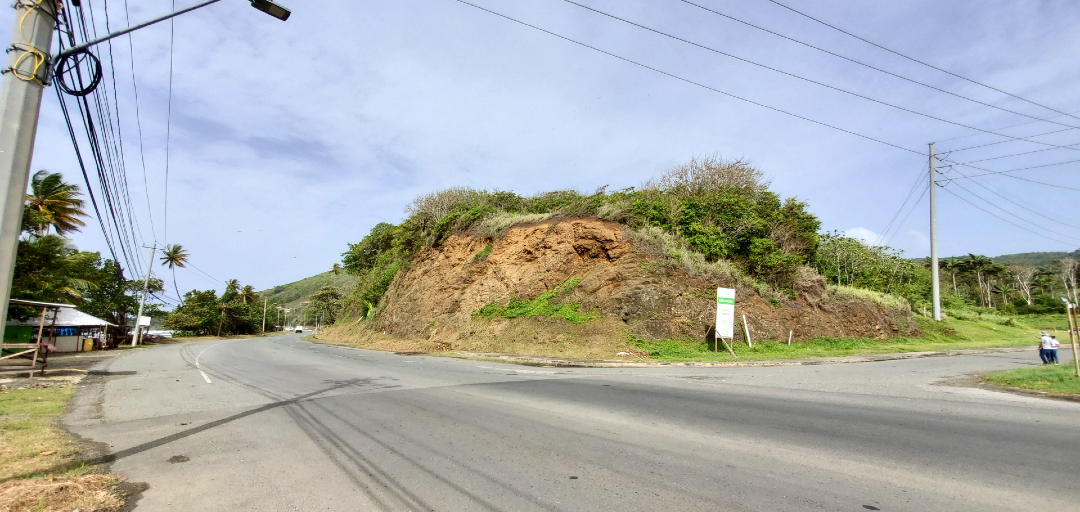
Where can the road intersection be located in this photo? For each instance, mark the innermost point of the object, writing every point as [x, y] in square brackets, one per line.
[281, 423]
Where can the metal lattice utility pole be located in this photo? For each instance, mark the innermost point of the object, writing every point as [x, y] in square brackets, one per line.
[142, 299]
[935, 281]
[25, 75]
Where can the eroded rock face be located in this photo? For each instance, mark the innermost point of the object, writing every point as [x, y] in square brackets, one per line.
[445, 286]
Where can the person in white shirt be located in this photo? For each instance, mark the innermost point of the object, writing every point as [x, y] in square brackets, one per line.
[1045, 344]
[1053, 349]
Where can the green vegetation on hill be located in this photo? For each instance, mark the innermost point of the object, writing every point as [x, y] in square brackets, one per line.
[291, 294]
[716, 213]
[1038, 259]
[547, 304]
[716, 220]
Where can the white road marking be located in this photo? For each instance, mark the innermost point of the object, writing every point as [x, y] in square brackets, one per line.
[197, 367]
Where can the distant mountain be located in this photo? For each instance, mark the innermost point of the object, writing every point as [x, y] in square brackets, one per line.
[1035, 258]
[293, 293]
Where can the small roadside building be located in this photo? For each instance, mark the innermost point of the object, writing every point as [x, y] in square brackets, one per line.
[66, 329]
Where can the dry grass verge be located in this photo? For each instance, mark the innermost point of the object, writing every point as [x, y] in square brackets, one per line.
[600, 338]
[99, 493]
[849, 293]
[40, 467]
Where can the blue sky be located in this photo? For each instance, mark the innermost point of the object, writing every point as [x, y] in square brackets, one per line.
[289, 140]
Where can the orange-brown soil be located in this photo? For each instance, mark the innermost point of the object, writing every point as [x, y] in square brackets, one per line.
[432, 305]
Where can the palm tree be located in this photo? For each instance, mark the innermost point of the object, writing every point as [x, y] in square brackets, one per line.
[174, 256]
[226, 311]
[248, 293]
[55, 204]
[232, 287]
[336, 269]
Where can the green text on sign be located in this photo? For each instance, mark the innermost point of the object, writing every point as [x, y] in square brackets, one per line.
[725, 300]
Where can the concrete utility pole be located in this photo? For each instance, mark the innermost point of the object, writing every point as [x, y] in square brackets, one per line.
[935, 281]
[142, 299]
[264, 316]
[27, 72]
[25, 76]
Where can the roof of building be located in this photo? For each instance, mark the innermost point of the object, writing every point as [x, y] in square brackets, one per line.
[68, 317]
[35, 303]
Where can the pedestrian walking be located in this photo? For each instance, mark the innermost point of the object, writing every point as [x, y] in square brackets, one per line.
[1053, 349]
[1045, 344]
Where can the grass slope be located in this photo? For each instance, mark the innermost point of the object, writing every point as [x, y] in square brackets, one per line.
[292, 294]
[1049, 378]
[950, 334]
[39, 464]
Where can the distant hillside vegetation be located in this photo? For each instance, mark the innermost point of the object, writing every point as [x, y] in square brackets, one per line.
[1035, 258]
[293, 293]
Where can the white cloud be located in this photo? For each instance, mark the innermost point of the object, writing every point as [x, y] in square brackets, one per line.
[320, 127]
[917, 240]
[867, 236]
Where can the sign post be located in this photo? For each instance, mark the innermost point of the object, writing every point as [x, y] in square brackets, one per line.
[725, 318]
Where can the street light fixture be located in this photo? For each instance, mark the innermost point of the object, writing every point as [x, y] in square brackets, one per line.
[272, 9]
[266, 6]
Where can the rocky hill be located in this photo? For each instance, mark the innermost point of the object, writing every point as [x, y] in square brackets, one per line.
[595, 267]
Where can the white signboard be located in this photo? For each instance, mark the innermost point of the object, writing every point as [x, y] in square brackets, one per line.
[144, 321]
[725, 312]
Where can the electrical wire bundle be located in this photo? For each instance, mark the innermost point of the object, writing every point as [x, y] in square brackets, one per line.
[92, 113]
[1044, 114]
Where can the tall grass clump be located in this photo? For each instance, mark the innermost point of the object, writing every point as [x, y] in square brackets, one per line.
[845, 294]
[547, 304]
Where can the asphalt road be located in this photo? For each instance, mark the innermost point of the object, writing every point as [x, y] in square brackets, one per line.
[283, 424]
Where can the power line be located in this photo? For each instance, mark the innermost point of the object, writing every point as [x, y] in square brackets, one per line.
[913, 206]
[1029, 180]
[168, 123]
[104, 140]
[86, 179]
[1018, 139]
[1009, 200]
[894, 52]
[117, 132]
[1013, 155]
[138, 123]
[911, 191]
[212, 278]
[999, 217]
[687, 80]
[799, 77]
[1040, 182]
[1021, 219]
[875, 68]
[103, 158]
[989, 172]
[201, 276]
[1002, 128]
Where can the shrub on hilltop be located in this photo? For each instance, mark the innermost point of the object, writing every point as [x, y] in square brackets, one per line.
[714, 212]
